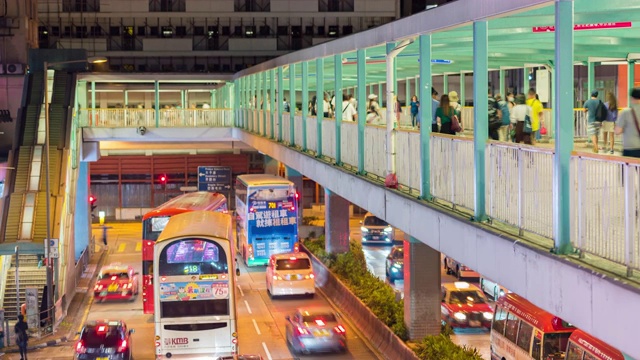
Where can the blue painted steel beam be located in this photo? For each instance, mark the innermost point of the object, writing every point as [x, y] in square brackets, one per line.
[280, 101]
[425, 114]
[292, 95]
[362, 105]
[305, 103]
[480, 111]
[337, 60]
[319, 104]
[564, 129]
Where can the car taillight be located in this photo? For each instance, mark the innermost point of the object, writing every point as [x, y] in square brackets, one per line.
[302, 331]
[123, 346]
[309, 276]
[80, 349]
[276, 277]
[296, 247]
[97, 287]
[339, 329]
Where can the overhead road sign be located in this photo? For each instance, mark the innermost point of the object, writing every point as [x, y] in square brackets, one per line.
[214, 178]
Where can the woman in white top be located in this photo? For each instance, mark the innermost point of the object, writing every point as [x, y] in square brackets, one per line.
[373, 110]
[517, 116]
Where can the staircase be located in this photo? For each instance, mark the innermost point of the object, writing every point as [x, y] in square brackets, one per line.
[34, 107]
[30, 276]
[59, 108]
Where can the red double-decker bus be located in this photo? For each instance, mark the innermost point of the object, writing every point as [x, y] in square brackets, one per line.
[154, 222]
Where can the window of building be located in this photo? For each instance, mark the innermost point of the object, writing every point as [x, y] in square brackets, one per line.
[283, 30]
[226, 30]
[252, 5]
[142, 31]
[198, 30]
[213, 31]
[114, 31]
[153, 31]
[96, 31]
[296, 31]
[237, 30]
[181, 30]
[167, 32]
[81, 5]
[320, 30]
[55, 30]
[265, 30]
[308, 30]
[81, 31]
[167, 5]
[250, 31]
[333, 31]
[336, 5]
[66, 31]
[347, 30]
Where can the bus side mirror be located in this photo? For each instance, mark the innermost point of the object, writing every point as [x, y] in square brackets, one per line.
[237, 272]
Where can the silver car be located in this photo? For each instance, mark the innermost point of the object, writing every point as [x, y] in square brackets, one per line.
[315, 330]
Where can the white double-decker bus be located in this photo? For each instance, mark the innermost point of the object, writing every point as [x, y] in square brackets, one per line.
[195, 308]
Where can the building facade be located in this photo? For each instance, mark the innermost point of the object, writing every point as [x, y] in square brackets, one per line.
[201, 35]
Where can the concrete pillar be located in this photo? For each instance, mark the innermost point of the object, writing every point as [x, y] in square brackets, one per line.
[296, 177]
[82, 217]
[271, 165]
[480, 109]
[336, 226]
[421, 289]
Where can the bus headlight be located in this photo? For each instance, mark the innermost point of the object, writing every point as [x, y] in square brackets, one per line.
[460, 316]
[487, 315]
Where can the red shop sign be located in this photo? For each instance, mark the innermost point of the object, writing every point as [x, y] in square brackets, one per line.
[577, 27]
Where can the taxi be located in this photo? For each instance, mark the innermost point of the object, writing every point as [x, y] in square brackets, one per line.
[290, 274]
[465, 306]
[116, 282]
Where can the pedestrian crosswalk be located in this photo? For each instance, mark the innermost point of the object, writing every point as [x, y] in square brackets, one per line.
[125, 247]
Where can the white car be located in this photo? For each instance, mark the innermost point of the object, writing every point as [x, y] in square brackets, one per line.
[290, 274]
[492, 289]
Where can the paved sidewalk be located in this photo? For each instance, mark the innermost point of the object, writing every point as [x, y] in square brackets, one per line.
[68, 326]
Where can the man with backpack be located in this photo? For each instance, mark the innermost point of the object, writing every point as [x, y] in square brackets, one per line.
[596, 114]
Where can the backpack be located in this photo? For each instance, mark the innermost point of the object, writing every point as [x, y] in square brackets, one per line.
[601, 111]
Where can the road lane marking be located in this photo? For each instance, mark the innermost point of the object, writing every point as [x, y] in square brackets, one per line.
[255, 324]
[121, 247]
[139, 246]
[241, 292]
[266, 350]
[84, 317]
[248, 308]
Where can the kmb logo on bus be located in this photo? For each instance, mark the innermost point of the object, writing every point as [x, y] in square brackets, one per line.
[176, 341]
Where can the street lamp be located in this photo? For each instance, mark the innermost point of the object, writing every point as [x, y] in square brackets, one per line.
[91, 60]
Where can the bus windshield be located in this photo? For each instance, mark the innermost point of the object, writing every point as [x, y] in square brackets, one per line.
[193, 257]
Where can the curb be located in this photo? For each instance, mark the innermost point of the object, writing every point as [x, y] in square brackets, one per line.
[55, 342]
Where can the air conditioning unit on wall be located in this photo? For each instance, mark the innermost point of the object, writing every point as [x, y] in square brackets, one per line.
[12, 69]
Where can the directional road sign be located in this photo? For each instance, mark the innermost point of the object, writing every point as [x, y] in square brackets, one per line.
[214, 178]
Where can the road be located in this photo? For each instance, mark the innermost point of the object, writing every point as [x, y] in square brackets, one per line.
[376, 255]
[261, 321]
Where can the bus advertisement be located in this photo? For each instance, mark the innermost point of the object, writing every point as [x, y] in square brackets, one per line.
[155, 221]
[195, 305]
[266, 217]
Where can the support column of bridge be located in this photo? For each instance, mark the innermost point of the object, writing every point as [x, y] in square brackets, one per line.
[296, 177]
[82, 215]
[421, 289]
[271, 165]
[336, 227]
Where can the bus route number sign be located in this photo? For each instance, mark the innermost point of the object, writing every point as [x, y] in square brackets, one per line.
[220, 290]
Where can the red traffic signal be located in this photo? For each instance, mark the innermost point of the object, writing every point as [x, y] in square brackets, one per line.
[92, 199]
[163, 179]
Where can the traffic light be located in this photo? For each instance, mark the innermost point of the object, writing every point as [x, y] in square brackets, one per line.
[163, 179]
[92, 201]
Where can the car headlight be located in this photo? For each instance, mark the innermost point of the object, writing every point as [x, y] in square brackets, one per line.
[364, 229]
[488, 315]
[460, 316]
[388, 229]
